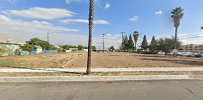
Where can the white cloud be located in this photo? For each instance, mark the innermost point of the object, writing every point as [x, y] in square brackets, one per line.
[109, 35]
[70, 1]
[83, 21]
[17, 27]
[107, 5]
[191, 37]
[101, 22]
[159, 12]
[41, 22]
[134, 18]
[41, 13]
[26, 30]
[74, 21]
[4, 18]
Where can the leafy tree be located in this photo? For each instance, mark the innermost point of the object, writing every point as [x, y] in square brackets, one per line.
[80, 47]
[27, 47]
[122, 45]
[168, 44]
[154, 44]
[125, 43]
[73, 47]
[85, 47]
[111, 48]
[144, 43]
[65, 47]
[17, 52]
[177, 15]
[51, 47]
[37, 41]
[94, 48]
[130, 43]
[3, 49]
[161, 44]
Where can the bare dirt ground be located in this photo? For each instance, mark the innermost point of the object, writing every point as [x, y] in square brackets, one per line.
[130, 60]
[99, 60]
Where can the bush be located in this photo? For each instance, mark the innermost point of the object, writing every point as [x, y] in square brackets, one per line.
[17, 52]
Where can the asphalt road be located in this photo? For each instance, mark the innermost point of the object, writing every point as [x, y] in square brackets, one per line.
[129, 90]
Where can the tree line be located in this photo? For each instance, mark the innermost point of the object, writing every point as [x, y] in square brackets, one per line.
[156, 45]
[127, 44]
[161, 44]
[30, 46]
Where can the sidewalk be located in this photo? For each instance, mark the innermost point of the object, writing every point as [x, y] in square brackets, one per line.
[102, 70]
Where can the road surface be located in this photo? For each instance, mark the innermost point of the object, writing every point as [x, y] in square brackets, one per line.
[128, 90]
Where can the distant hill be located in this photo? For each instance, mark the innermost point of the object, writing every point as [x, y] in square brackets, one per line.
[6, 38]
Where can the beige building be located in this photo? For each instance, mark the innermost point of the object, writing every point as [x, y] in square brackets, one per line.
[192, 48]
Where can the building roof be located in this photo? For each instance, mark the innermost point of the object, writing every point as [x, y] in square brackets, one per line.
[38, 47]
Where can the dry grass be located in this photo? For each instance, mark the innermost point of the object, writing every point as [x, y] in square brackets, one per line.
[99, 60]
[37, 61]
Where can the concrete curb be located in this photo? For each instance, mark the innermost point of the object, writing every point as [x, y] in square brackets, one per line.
[81, 70]
[100, 78]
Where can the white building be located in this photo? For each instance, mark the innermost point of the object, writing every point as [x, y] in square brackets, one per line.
[38, 49]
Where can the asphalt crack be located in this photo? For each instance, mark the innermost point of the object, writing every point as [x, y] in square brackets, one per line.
[191, 92]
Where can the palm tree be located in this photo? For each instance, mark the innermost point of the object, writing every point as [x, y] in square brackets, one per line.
[136, 36]
[91, 19]
[177, 15]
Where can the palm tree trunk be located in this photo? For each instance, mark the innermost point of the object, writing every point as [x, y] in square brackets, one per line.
[135, 47]
[176, 35]
[91, 18]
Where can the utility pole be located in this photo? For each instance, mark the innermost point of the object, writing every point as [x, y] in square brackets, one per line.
[122, 35]
[103, 41]
[122, 40]
[48, 38]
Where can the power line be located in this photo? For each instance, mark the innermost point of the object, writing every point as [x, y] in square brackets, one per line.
[191, 37]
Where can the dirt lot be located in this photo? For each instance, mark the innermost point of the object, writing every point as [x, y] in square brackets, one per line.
[129, 60]
[107, 60]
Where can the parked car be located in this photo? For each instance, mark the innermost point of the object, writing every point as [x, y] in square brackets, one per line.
[179, 54]
[198, 55]
[161, 53]
[187, 54]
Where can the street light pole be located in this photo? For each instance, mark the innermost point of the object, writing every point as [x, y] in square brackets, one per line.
[48, 38]
[103, 42]
[122, 35]
[91, 18]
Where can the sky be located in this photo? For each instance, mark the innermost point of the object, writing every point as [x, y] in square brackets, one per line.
[66, 20]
